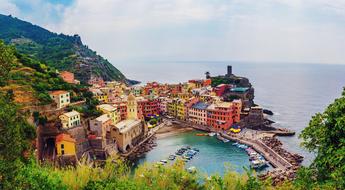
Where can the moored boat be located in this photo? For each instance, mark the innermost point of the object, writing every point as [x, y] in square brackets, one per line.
[211, 134]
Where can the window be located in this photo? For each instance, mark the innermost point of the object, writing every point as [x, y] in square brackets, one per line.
[62, 146]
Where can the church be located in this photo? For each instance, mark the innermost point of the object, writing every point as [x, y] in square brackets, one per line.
[130, 131]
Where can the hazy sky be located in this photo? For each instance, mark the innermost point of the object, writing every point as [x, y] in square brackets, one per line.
[193, 30]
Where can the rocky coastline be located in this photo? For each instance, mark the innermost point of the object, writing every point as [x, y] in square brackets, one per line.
[144, 148]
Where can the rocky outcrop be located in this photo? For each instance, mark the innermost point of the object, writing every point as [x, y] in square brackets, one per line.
[145, 147]
[277, 145]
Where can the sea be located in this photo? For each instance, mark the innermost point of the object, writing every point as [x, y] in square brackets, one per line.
[294, 92]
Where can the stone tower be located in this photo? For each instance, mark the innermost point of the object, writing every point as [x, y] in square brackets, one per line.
[229, 73]
[132, 107]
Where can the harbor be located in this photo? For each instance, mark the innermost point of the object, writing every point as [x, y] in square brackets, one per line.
[214, 156]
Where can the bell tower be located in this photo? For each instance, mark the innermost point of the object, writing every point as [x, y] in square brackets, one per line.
[132, 107]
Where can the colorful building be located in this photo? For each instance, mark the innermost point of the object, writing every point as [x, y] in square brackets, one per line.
[172, 107]
[220, 89]
[163, 105]
[99, 95]
[147, 107]
[220, 115]
[127, 133]
[181, 109]
[237, 105]
[111, 111]
[198, 114]
[70, 119]
[61, 98]
[101, 125]
[65, 145]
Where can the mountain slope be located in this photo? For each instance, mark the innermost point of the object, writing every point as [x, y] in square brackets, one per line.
[60, 51]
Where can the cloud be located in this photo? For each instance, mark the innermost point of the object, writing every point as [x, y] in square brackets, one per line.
[265, 30]
[8, 8]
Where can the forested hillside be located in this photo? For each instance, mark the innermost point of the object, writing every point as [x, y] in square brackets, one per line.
[59, 51]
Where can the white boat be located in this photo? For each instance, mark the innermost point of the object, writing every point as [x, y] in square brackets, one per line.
[211, 134]
[191, 169]
[258, 164]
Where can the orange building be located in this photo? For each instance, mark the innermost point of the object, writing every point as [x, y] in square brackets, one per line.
[220, 115]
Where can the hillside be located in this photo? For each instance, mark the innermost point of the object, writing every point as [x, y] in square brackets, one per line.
[28, 79]
[59, 51]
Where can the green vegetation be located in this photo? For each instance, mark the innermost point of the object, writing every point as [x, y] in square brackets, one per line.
[89, 109]
[58, 51]
[224, 80]
[325, 136]
[16, 136]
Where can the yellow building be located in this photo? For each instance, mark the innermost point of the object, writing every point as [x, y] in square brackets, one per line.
[172, 107]
[111, 111]
[181, 110]
[184, 96]
[99, 95]
[65, 145]
[70, 119]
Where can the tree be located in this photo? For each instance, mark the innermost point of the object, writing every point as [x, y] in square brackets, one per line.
[325, 136]
[7, 61]
[16, 135]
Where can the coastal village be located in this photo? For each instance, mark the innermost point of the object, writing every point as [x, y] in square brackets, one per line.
[130, 117]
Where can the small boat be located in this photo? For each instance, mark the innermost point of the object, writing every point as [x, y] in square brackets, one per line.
[191, 169]
[258, 164]
[159, 163]
[172, 157]
[235, 144]
[187, 157]
[201, 134]
[195, 149]
[164, 161]
[222, 138]
[211, 134]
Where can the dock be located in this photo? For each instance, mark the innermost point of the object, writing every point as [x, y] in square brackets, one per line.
[276, 160]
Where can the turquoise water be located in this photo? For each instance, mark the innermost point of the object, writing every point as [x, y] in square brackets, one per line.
[294, 92]
[211, 159]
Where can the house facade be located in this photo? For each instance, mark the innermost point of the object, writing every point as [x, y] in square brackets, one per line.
[61, 98]
[70, 119]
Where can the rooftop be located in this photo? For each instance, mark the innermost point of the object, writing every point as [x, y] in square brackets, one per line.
[239, 89]
[200, 106]
[107, 107]
[64, 137]
[219, 105]
[58, 92]
[103, 118]
[71, 113]
[126, 125]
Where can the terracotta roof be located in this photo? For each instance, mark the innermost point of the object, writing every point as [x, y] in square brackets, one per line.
[64, 137]
[58, 92]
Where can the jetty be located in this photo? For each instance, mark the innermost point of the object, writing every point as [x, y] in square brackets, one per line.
[277, 161]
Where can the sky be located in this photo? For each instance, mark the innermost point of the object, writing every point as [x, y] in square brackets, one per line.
[296, 31]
